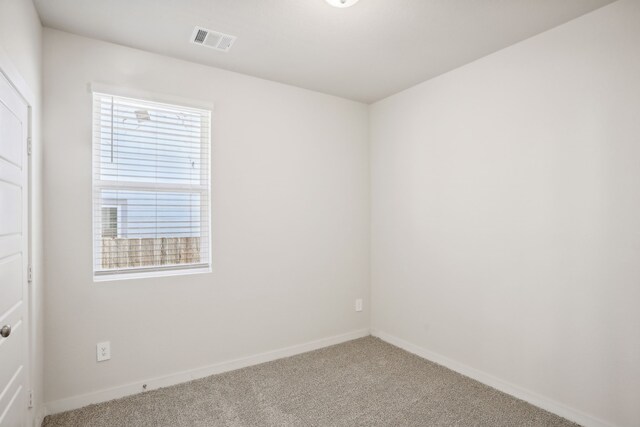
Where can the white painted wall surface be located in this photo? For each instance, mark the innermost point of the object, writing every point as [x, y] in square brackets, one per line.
[21, 46]
[506, 215]
[290, 190]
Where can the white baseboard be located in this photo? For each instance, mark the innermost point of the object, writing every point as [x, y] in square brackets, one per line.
[82, 400]
[535, 399]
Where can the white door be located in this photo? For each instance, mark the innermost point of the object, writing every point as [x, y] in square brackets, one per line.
[14, 127]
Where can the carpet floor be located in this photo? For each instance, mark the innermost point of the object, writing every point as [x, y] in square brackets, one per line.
[365, 382]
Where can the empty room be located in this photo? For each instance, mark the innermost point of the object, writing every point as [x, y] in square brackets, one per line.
[319, 213]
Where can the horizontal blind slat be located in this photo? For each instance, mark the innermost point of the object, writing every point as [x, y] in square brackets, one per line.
[135, 103]
[160, 142]
[105, 114]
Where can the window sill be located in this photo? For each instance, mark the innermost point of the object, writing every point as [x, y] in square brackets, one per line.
[133, 274]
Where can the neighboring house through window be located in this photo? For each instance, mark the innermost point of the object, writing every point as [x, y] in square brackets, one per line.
[109, 222]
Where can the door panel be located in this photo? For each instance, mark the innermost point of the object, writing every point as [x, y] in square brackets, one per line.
[13, 256]
[10, 219]
[9, 245]
[10, 131]
[13, 400]
[10, 272]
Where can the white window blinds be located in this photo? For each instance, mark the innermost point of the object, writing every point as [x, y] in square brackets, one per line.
[150, 187]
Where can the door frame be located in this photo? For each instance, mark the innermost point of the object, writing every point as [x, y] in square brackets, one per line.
[34, 413]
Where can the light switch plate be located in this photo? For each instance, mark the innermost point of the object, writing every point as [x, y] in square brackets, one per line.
[359, 304]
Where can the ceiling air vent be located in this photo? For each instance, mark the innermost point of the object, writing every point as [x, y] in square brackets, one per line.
[212, 39]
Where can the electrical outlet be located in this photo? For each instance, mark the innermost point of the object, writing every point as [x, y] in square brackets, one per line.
[359, 304]
[103, 351]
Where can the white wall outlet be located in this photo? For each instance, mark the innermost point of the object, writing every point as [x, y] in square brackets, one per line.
[359, 304]
[103, 351]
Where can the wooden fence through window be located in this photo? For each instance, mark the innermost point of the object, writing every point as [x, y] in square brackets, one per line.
[123, 252]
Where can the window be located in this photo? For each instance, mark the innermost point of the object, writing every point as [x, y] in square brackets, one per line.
[150, 188]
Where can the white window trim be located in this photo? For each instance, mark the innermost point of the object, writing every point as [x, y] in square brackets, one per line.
[173, 270]
[162, 98]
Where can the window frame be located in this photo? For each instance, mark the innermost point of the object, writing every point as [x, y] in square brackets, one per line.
[203, 189]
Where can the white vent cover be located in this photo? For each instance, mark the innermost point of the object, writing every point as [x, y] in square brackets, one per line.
[212, 39]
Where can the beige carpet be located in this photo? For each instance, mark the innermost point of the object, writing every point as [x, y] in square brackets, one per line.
[365, 382]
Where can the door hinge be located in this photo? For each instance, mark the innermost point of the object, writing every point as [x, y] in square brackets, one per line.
[30, 273]
[29, 148]
[30, 397]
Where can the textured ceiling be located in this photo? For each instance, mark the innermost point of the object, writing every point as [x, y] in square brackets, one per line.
[365, 52]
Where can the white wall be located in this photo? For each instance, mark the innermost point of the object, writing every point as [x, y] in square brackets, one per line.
[290, 224]
[21, 47]
[505, 215]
